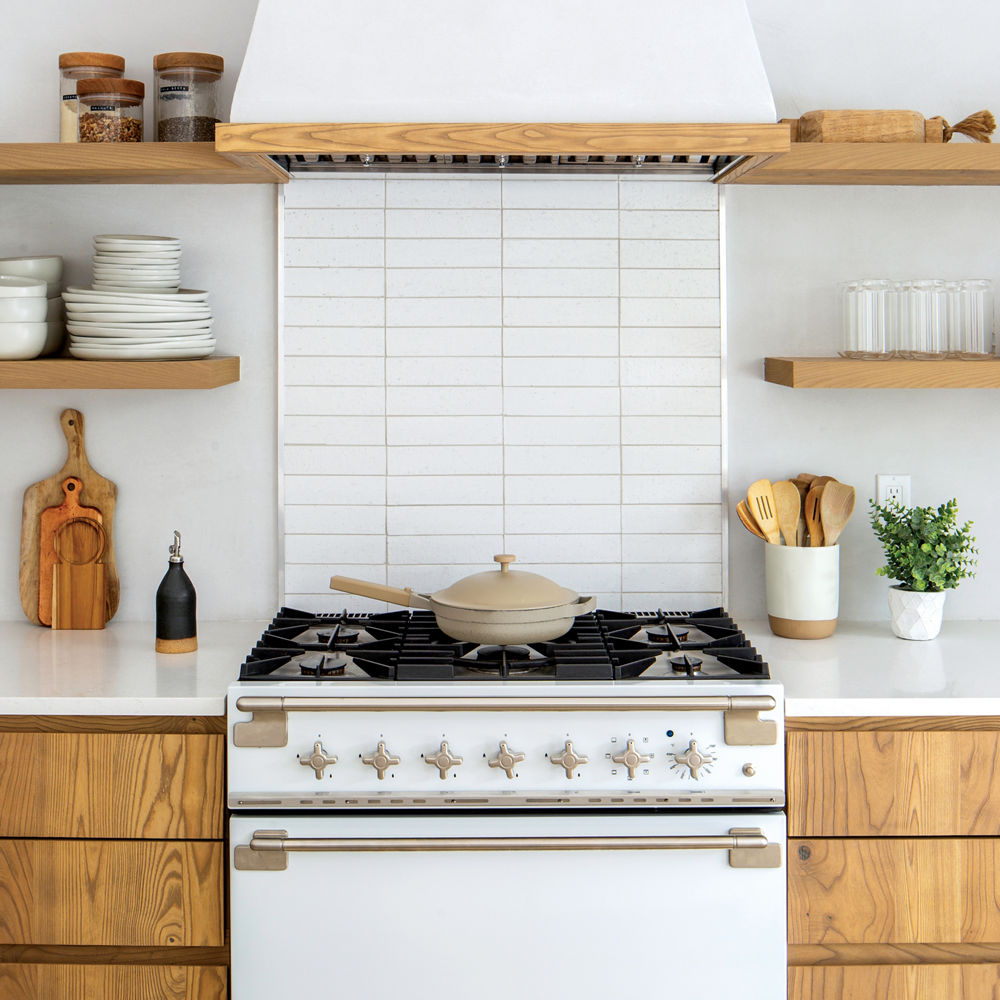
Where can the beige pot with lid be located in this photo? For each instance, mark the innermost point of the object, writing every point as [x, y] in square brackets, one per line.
[502, 607]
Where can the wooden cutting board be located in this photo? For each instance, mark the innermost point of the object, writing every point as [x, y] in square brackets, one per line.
[77, 590]
[96, 491]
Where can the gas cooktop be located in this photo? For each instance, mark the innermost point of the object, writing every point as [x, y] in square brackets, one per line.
[408, 646]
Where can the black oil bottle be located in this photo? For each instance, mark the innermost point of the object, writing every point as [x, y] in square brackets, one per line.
[176, 622]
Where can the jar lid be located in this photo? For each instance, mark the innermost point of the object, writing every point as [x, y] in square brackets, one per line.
[196, 60]
[111, 85]
[103, 59]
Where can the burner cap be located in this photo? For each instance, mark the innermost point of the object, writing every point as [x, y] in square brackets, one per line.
[340, 634]
[686, 664]
[493, 653]
[323, 665]
[662, 633]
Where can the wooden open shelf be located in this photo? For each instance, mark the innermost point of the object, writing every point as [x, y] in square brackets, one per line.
[873, 163]
[498, 138]
[131, 163]
[847, 373]
[69, 373]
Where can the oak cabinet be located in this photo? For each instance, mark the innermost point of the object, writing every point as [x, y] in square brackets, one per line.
[893, 859]
[112, 859]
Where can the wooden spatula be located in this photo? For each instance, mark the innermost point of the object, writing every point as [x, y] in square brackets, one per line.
[788, 506]
[835, 510]
[814, 522]
[760, 500]
[743, 512]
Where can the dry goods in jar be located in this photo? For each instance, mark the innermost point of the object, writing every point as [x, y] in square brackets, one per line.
[110, 110]
[74, 66]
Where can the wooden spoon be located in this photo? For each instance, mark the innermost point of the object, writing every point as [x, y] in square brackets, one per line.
[806, 477]
[813, 520]
[835, 510]
[760, 500]
[788, 506]
[743, 511]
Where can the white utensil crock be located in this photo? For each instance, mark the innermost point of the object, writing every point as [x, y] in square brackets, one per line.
[803, 590]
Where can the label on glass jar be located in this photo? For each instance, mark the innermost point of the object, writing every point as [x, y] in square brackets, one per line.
[69, 97]
[102, 107]
[177, 89]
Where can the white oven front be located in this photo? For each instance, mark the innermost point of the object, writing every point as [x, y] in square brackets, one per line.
[409, 906]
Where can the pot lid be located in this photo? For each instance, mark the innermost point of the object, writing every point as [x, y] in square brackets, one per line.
[506, 590]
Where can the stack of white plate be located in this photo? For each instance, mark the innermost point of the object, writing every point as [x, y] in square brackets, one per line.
[114, 325]
[127, 263]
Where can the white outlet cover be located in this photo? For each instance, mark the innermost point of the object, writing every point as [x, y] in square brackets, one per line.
[890, 485]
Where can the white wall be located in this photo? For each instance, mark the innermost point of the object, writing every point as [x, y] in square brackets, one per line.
[199, 461]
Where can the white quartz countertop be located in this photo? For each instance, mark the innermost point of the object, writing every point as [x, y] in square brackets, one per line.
[116, 670]
[863, 669]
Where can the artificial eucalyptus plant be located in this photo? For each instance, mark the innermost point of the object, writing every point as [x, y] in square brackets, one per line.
[925, 549]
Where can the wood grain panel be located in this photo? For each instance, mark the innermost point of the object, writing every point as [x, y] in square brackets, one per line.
[489, 138]
[895, 982]
[112, 982]
[850, 373]
[153, 786]
[48, 954]
[888, 723]
[112, 724]
[139, 893]
[893, 891]
[861, 784]
[70, 373]
[889, 954]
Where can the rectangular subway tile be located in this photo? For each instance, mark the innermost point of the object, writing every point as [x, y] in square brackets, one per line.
[364, 401]
[415, 401]
[671, 576]
[671, 341]
[558, 402]
[670, 253]
[441, 282]
[325, 341]
[443, 252]
[563, 519]
[547, 430]
[583, 282]
[335, 430]
[545, 193]
[448, 490]
[670, 283]
[334, 253]
[315, 579]
[560, 224]
[339, 192]
[667, 458]
[670, 312]
[673, 488]
[429, 341]
[454, 430]
[671, 371]
[442, 223]
[442, 371]
[560, 342]
[668, 195]
[639, 225]
[335, 371]
[334, 311]
[318, 459]
[671, 401]
[421, 550]
[672, 519]
[566, 548]
[563, 489]
[334, 519]
[555, 459]
[445, 460]
[334, 281]
[560, 252]
[672, 548]
[561, 311]
[680, 429]
[458, 312]
[324, 490]
[334, 550]
[446, 519]
[444, 192]
[569, 371]
[334, 223]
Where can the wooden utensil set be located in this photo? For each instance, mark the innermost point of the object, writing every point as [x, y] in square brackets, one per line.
[68, 578]
[808, 510]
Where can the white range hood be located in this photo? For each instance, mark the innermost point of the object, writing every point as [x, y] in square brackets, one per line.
[516, 61]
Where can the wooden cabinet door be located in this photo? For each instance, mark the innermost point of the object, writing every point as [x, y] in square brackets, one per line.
[140, 893]
[112, 982]
[893, 891]
[893, 784]
[115, 785]
[894, 982]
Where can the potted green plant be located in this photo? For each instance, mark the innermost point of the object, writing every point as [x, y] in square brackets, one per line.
[929, 554]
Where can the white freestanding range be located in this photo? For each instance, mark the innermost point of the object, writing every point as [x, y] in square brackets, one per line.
[420, 817]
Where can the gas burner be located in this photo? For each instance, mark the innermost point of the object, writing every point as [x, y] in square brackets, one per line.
[339, 635]
[665, 634]
[489, 654]
[323, 665]
[685, 664]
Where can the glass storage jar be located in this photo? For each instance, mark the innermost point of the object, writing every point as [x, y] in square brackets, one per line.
[74, 66]
[187, 96]
[110, 110]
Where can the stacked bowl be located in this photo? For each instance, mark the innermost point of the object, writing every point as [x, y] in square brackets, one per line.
[47, 269]
[137, 263]
[22, 317]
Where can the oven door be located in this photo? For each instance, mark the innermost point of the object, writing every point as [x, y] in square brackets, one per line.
[446, 907]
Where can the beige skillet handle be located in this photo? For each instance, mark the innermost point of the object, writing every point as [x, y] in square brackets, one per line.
[379, 591]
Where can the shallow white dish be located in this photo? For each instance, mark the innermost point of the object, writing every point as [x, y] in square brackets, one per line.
[139, 318]
[22, 341]
[137, 330]
[139, 353]
[196, 309]
[129, 238]
[126, 343]
[108, 286]
[136, 259]
[48, 269]
[134, 274]
[15, 285]
[77, 293]
[23, 309]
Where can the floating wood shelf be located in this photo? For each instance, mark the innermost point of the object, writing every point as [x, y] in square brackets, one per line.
[493, 138]
[952, 163]
[131, 163]
[69, 373]
[847, 373]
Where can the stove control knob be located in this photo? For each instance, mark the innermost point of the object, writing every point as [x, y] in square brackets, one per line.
[443, 759]
[693, 758]
[631, 758]
[318, 760]
[381, 760]
[568, 759]
[506, 759]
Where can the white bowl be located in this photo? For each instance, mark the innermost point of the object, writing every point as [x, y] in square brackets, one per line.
[48, 269]
[23, 309]
[55, 334]
[13, 284]
[21, 341]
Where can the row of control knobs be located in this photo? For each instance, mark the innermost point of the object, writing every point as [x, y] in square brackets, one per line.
[506, 759]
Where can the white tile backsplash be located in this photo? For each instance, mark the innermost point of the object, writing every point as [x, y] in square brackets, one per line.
[478, 364]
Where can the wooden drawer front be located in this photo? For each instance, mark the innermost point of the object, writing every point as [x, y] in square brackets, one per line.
[917, 784]
[151, 785]
[895, 982]
[893, 891]
[144, 893]
[112, 982]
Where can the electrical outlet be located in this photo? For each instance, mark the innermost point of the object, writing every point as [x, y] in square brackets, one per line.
[892, 489]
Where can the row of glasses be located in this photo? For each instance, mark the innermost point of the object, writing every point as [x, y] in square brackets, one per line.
[916, 318]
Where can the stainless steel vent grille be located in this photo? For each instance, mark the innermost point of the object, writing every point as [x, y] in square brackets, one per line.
[707, 165]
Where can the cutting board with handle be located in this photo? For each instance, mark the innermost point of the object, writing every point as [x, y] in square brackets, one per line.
[77, 590]
[95, 492]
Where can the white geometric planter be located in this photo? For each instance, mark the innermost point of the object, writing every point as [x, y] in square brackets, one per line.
[916, 614]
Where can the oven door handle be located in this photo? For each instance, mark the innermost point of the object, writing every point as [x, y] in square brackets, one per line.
[268, 850]
[269, 725]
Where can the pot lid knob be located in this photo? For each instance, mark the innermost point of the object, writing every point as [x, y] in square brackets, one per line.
[505, 559]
